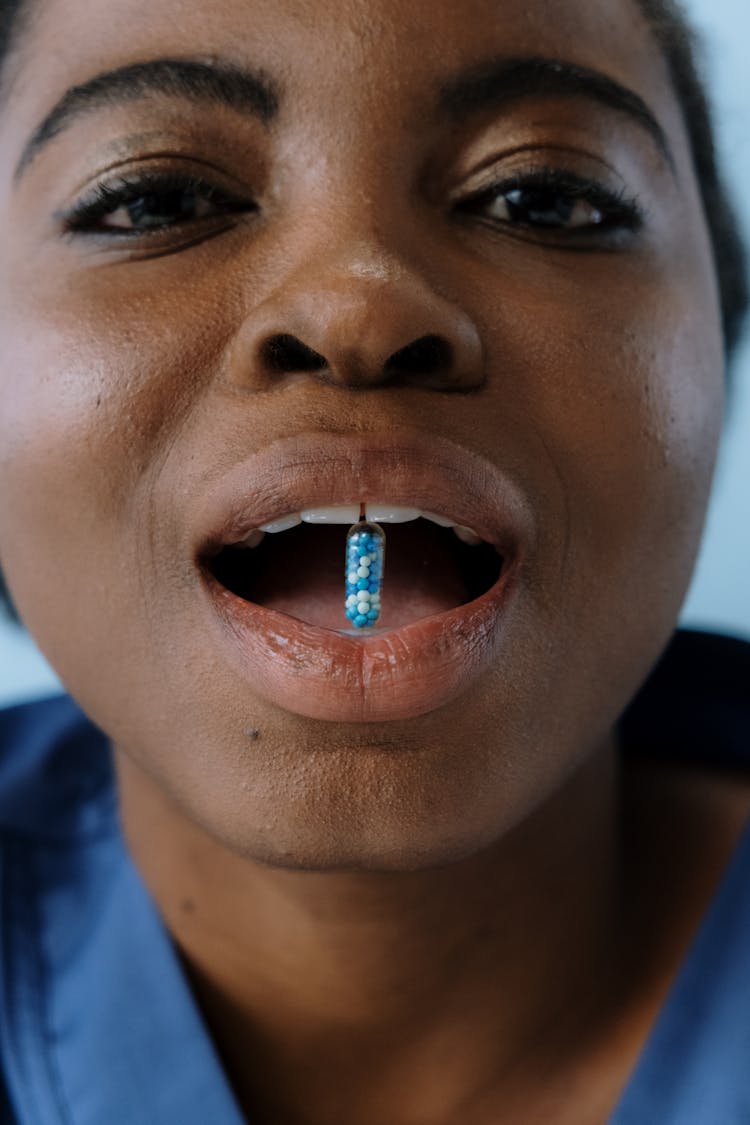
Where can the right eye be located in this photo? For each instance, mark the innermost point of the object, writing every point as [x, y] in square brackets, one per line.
[152, 203]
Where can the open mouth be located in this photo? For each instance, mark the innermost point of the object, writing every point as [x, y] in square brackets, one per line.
[269, 543]
[295, 565]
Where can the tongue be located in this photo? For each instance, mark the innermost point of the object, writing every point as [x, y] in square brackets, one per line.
[303, 574]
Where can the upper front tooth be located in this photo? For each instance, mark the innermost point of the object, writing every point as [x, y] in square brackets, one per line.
[345, 513]
[389, 513]
[281, 524]
[349, 513]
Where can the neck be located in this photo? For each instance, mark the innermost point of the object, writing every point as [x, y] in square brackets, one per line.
[374, 997]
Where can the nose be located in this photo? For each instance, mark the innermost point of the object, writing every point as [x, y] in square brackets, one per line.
[362, 325]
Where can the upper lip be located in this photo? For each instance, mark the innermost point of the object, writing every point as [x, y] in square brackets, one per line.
[403, 468]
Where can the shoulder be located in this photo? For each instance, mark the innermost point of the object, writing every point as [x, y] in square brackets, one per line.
[53, 762]
[695, 706]
[686, 782]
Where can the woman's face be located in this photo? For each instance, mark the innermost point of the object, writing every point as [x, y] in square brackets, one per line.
[213, 269]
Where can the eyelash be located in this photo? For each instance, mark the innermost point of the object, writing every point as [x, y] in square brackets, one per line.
[612, 212]
[617, 212]
[86, 216]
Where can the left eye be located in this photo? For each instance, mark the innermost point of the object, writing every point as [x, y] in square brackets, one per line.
[150, 204]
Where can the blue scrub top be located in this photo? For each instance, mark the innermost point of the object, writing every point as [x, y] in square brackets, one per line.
[98, 1025]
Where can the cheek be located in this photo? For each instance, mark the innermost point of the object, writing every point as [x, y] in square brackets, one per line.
[92, 395]
[646, 446]
[617, 379]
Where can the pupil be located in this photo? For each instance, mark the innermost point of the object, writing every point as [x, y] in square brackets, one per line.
[158, 208]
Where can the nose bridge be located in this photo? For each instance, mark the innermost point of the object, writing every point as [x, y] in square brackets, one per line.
[353, 308]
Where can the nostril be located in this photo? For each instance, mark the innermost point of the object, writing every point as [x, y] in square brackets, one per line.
[429, 355]
[283, 352]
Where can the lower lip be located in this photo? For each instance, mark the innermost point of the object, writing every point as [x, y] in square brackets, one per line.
[396, 674]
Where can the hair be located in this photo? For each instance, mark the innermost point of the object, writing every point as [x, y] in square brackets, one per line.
[677, 42]
[679, 47]
[10, 25]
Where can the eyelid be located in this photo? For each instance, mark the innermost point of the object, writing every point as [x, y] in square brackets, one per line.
[579, 164]
[579, 159]
[151, 153]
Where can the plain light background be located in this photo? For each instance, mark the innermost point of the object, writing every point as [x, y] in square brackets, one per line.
[720, 595]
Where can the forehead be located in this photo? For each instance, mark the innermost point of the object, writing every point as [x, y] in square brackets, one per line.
[316, 49]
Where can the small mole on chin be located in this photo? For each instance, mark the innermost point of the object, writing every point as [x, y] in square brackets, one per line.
[252, 733]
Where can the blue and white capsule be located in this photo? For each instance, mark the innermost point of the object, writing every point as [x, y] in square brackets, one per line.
[365, 560]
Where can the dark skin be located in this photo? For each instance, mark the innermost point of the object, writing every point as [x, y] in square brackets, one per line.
[429, 917]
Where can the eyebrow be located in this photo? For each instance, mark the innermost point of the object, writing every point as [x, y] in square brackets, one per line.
[249, 92]
[487, 86]
[498, 82]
